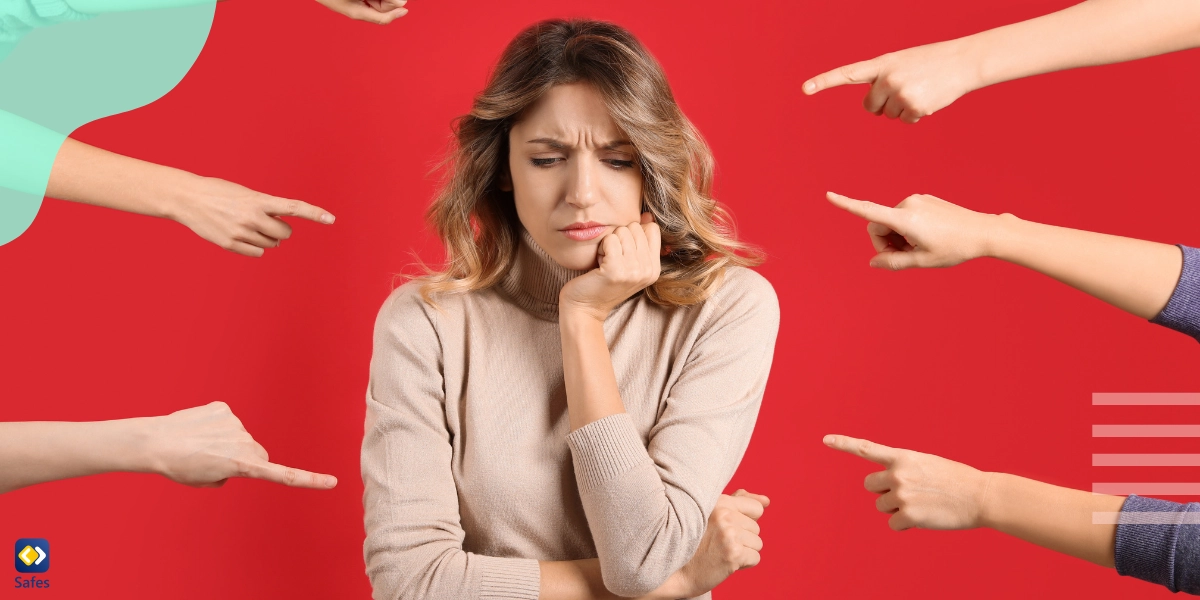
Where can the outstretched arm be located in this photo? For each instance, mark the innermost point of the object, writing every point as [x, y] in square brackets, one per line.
[1152, 540]
[919, 81]
[1136, 276]
[201, 447]
[238, 219]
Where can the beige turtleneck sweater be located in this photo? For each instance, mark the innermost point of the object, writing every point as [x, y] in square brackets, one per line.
[471, 475]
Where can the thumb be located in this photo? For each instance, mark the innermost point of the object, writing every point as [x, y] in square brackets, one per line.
[896, 260]
[362, 12]
[859, 72]
[765, 501]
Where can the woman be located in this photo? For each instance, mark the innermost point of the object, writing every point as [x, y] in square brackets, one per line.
[1153, 540]
[555, 414]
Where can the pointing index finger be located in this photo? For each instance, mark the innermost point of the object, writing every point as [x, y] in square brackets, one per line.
[283, 207]
[859, 72]
[876, 453]
[288, 476]
[876, 213]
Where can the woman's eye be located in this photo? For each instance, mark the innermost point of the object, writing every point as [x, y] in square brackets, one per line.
[619, 164]
[543, 162]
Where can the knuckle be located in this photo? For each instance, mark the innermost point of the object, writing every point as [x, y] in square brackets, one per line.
[289, 475]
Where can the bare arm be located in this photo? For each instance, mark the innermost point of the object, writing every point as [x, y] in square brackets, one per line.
[930, 492]
[200, 446]
[916, 82]
[236, 218]
[923, 231]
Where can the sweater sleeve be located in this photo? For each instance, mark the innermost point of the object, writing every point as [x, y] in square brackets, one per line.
[19, 17]
[647, 504]
[1159, 541]
[413, 548]
[1182, 312]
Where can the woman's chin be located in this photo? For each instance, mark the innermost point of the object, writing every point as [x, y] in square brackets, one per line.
[580, 258]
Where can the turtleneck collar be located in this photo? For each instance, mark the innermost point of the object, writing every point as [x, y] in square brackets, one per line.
[534, 280]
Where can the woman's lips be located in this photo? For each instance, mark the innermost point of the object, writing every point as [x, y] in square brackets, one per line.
[583, 234]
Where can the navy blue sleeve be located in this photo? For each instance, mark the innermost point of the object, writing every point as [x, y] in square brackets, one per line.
[1159, 541]
[1183, 309]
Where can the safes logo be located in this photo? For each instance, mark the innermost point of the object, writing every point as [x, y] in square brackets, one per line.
[32, 556]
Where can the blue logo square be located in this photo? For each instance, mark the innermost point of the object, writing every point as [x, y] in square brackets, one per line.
[32, 555]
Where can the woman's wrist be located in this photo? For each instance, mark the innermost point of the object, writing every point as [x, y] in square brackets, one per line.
[169, 193]
[999, 233]
[134, 441]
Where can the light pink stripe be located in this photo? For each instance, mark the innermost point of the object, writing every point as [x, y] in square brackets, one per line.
[1146, 460]
[1147, 489]
[1146, 399]
[1145, 430]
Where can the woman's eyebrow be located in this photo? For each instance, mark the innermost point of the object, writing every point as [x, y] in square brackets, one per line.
[561, 145]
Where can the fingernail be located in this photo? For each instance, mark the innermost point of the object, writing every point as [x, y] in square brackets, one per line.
[330, 481]
[810, 87]
[327, 219]
[828, 440]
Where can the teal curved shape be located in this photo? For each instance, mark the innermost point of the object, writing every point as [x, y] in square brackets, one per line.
[63, 75]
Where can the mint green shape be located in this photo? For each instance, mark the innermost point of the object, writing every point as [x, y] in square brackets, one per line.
[61, 77]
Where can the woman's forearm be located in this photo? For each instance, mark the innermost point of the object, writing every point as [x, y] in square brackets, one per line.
[91, 175]
[1095, 32]
[1134, 275]
[591, 383]
[581, 580]
[1057, 518]
[38, 452]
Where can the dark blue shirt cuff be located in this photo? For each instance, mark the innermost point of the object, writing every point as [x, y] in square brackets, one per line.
[1182, 312]
[1159, 541]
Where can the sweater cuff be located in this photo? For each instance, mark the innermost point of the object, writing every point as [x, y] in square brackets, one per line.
[1148, 540]
[606, 449]
[56, 11]
[509, 578]
[1182, 312]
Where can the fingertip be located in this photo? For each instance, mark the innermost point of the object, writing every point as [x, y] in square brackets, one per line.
[330, 481]
[829, 440]
[328, 219]
[810, 87]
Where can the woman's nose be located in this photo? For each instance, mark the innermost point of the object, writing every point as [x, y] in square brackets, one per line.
[582, 189]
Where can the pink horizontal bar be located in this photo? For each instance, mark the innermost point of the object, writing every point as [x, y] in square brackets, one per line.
[1146, 460]
[1146, 399]
[1147, 489]
[1152, 431]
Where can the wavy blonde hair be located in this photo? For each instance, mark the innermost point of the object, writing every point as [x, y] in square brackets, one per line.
[477, 221]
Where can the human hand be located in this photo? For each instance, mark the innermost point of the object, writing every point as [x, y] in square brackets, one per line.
[236, 218]
[911, 83]
[206, 445]
[920, 490]
[380, 12]
[731, 542]
[922, 231]
[629, 260]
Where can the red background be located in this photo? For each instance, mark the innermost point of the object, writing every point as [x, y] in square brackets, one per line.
[112, 315]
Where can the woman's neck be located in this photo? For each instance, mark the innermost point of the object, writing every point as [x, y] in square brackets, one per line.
[534, 279]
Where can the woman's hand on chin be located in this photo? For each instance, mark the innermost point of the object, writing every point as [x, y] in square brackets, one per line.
[629, 261]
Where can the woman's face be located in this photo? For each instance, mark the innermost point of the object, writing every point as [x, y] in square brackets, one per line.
[574, 175]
